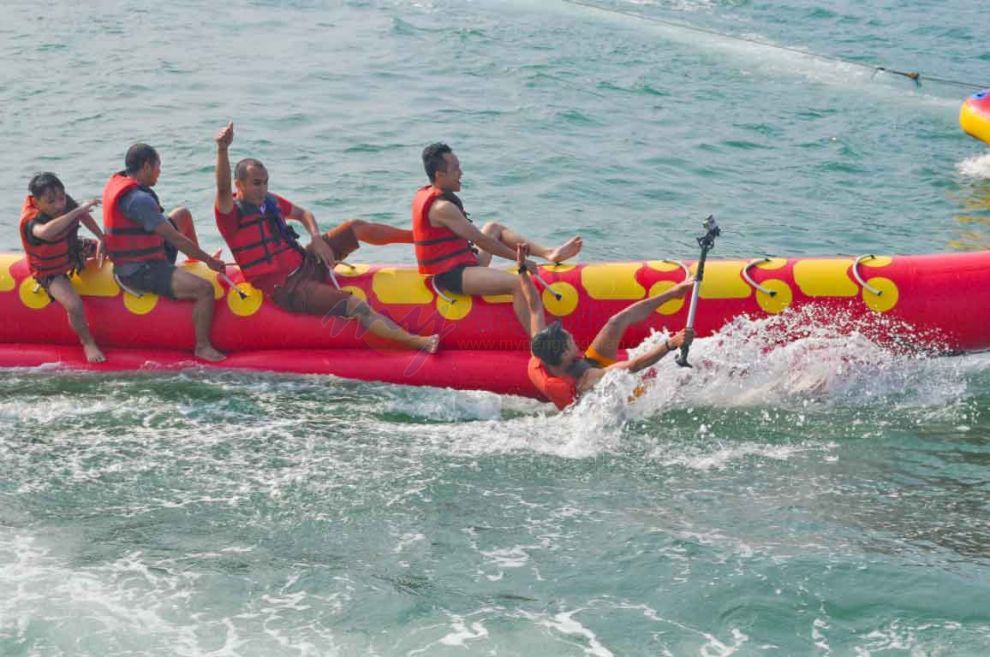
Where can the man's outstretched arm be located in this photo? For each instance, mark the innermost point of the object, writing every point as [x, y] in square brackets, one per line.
[533, 300]
[653, 355]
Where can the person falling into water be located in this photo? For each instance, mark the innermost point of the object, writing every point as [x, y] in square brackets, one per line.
[253, 223]
[562, 372]
[454, 251]
[49, 229]
[143, 243]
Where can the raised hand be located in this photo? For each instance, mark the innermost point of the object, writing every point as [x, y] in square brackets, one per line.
[226, 135]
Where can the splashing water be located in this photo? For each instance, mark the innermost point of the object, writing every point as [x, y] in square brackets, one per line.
[977, 166]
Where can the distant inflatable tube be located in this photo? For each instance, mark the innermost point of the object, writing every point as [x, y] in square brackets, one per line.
[974, 116]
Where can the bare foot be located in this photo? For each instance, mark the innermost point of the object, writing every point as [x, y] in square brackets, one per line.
[207, 352]
[430, 343]
[567, 250]
[93, 353]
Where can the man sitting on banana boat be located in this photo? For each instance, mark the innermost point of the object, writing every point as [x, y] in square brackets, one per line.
[253, 223]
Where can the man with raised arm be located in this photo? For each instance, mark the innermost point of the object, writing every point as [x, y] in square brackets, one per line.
[143, 243]
[562, 372]
[454, 251]
[253, 223]
[49, 229]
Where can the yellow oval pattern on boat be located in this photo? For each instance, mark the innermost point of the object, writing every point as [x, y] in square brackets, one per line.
[569, 298]
[459, 309]
[723, 280]
[612, 281]
[141, 305]
[7, 282]
[32, 294]
[96, 282]
[355, 291]
[400, 286]
[886, 300]
[825, 278]
[353, 270]
[247, 306]
[778, 302]
[498, 298]
[669, 307]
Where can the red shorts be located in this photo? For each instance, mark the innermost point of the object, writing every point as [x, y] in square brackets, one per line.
[308, 290]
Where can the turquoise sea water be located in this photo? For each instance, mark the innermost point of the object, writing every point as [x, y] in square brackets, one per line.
[822, 498]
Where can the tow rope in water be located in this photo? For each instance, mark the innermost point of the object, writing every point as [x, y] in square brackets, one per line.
[915, 76]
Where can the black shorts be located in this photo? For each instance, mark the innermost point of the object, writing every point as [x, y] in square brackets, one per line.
[153, 277]
[451, 280]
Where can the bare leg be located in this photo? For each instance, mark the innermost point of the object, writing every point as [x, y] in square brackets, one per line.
[510, 238]
[607, 341]
[384, 327]
[189, 286]
[62, 291]
[378, 234]
[485, 281]
[183, 220]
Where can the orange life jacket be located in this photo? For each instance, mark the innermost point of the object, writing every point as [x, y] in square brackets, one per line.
[48, 258]
[127, 240]
[561, 390]
[438, 249]
[262, 243]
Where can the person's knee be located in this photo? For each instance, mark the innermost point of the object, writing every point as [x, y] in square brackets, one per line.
[181, 216]
[353, 224]
[492, 228]
[202, 289]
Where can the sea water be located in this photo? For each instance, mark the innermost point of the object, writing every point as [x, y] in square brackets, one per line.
[820, 497]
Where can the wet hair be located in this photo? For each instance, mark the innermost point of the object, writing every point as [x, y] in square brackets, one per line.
[137, 156]
[433, 159]
[241, 168]
[44, 182]
[550, 344]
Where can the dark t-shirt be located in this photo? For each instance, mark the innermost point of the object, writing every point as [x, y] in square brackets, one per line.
[142, 208]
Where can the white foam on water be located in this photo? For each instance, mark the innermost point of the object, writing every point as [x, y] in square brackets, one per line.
[137, 604]
[565, 623]
[461, 633]
[791, 368]
[799, 360]
[704, 457]
[976, 166]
